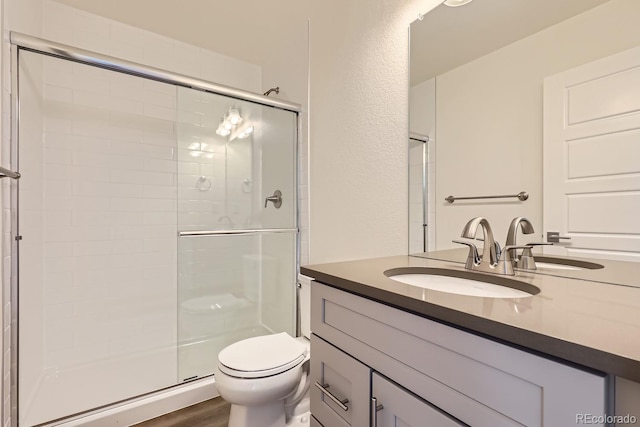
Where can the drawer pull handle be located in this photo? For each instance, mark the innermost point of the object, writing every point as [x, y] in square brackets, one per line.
[375, 408]
[341, 403]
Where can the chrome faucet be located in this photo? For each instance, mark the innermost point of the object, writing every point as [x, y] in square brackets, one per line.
[492, 260]
[469, 232]
[527, 228]
[525, 261]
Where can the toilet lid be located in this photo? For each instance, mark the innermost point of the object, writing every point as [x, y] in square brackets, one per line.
[261, 356]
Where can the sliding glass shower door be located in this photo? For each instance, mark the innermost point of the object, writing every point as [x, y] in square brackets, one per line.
[97, 219]
[237, 221]
[147, 240]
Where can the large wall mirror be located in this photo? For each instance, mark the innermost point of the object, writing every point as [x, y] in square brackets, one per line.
[536, 96]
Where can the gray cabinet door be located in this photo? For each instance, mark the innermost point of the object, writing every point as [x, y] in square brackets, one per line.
[399, 408]
[481, 382]
[340, 386]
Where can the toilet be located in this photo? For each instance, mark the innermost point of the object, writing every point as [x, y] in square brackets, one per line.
[265, 378]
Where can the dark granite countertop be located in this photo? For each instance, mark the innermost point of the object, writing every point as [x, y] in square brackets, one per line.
[592, 324]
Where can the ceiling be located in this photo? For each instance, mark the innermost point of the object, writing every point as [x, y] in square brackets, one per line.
[252, 30]
[249, 30]
[448, 37]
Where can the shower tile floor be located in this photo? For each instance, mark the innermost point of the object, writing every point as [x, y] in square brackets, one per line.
[210, 413]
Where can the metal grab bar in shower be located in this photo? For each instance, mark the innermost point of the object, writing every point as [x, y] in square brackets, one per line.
[232, 232]
[522, 196]
[6, 173]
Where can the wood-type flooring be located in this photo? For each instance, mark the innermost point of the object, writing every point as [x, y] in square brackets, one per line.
[210, 413]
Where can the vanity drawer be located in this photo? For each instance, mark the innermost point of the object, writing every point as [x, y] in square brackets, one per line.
[396, 406]
[340, 386]
[477, 380]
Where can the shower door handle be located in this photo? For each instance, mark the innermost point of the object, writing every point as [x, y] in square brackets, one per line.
[276, 199]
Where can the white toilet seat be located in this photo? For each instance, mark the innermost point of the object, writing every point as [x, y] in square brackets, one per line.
[263, 373]
[261, 357]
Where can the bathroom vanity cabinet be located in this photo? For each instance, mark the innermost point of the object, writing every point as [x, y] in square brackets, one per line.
[374, 365]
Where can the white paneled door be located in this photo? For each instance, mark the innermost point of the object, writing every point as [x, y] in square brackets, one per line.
[592, 158]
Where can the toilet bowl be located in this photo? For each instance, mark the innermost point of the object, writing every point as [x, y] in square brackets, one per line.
[261, 377]
[265, 378]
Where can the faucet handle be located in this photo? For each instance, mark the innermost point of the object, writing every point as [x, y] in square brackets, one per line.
[528, 253]
[473, 257]
[505, 251]
[540, 244]
[526, 261]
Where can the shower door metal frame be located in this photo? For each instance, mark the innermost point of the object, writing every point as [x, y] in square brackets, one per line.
[12, 293]
[19, 42]
[63, 51]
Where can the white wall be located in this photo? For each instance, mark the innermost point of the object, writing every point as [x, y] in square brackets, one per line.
[489, 117]
[85, 30]
[359, 127]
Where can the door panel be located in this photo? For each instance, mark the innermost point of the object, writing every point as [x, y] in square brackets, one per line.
[591, 150]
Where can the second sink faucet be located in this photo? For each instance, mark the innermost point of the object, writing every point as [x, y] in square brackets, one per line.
[527, 228]
[525, 261]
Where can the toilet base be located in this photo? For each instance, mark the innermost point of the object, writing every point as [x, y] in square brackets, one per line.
[267, 415]
[300, 420]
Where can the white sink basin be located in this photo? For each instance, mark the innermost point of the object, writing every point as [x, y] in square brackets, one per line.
[462, 282]
[550, 266]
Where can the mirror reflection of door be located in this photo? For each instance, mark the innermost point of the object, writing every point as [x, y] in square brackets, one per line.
[591, 157]
[488, 67]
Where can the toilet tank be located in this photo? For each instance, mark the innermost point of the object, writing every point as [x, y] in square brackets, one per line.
[304, 304]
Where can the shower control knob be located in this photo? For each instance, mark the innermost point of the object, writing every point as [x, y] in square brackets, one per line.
[276, 199]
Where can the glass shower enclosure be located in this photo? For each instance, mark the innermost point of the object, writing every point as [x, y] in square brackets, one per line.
[156, 224]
